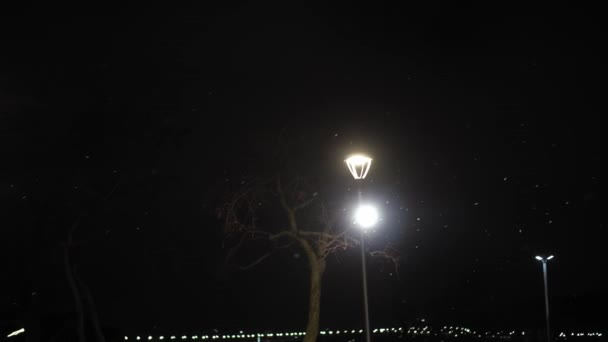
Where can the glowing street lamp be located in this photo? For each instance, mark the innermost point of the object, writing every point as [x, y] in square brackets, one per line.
[366, 217]
[544, 261]
[359, 165]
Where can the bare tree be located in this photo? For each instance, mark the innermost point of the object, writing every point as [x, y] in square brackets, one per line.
[83, 300]
[284, 215]
[69, 275]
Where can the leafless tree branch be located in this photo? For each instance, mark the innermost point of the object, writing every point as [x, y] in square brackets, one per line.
[391, 255]
[290, 212]
[257, 261]
[304, 204]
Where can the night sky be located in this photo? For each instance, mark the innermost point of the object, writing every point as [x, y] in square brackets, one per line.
[484, 125]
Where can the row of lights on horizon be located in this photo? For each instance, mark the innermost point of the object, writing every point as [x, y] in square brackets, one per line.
[446, 330]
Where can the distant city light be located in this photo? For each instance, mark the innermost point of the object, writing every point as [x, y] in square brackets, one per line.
[452, 331]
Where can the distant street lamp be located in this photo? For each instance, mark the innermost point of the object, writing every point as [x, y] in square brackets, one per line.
[544, 261]
[366, 217]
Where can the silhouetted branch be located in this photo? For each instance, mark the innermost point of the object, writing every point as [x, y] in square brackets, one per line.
[391, 255]
[257, 261]
[304, 204]
[290, 212]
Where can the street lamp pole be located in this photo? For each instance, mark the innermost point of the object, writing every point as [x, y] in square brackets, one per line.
[359, 166]
[365, 306]
[544, 261]
[368, 337]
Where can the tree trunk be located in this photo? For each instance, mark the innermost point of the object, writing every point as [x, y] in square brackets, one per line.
[75, 293]
[317, 267]
[88, 298]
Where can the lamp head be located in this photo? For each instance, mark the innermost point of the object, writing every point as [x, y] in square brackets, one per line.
[359, 165]
[539, 258]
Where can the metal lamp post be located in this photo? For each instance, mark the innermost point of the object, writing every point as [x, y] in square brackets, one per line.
[366, 217]
[544, 261]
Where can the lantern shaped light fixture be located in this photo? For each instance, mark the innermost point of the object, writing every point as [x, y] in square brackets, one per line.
[359, 165]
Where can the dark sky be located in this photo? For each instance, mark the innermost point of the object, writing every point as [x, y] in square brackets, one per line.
[484, 125]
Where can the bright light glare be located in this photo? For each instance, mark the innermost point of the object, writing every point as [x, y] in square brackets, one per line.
[366, 216]
[550, 257]
[359, 165]
[539, 258]
[16, 332]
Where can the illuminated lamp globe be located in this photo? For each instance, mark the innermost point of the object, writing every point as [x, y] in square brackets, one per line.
[366, 216]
